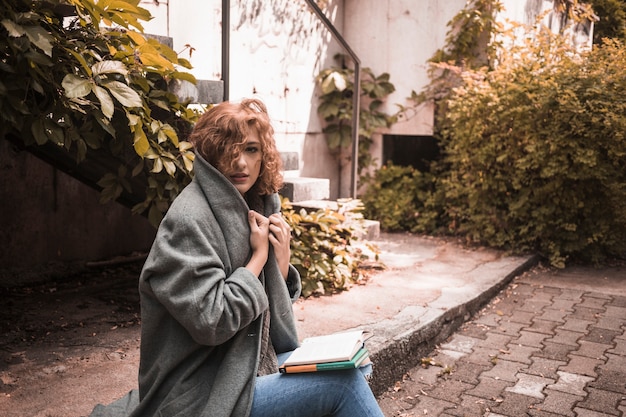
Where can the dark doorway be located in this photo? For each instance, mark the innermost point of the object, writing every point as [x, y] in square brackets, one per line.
[406, 150]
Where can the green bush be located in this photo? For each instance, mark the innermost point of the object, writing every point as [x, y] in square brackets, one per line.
[67, 79]
[323, 247]
[537, 150]
[534, 157]
[401, 198]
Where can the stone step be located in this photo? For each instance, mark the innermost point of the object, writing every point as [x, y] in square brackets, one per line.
[305, 188]
[370, 229]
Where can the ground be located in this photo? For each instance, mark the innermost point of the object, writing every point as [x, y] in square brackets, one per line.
[51, 331]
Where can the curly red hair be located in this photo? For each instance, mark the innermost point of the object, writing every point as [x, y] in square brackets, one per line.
[220, 133]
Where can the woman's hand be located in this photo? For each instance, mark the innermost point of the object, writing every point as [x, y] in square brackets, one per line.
[280, 238]
[259, 241]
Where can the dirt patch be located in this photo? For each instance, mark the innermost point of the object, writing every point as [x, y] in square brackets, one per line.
[54, 336]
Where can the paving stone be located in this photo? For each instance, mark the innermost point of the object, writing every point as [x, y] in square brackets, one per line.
[554, 315]
[582, 412]
[483, 356]
[616, 362]
[566, 337]
[610, 380]
[576, 325]
[592, 349]
[471, 406]
[460, 343]
[450, 390]
[477, 331]
[617, 301]
[599, 294]
[508, 304]
[585, 313]
[598, 335]
[615, 311]
[468, 372]
[620, 347]
[395, 406]
[562, 304]
[515, 405]
[612, 322]
[509, 327]
[543, 367]
[582, 365]
[490, 320]
[594, 300]
[489, 388]
[533, 305]
[453, 353]
[538, 412]
[560, 402]
[518, 353]
[428, 406]
[494, 339]
[532, 339]
[571, 383]
[601, 401]
[504, 370]
[446, 358]
[524, 317]
[547, 292]
[570, 294]
[427, 376]
[556, 351]
[534, 350]
[542, 326]
[530, 385]
[523, 289]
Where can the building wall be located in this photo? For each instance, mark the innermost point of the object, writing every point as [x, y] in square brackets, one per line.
[48, 220]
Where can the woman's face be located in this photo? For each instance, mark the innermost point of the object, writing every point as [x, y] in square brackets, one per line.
[247, 168]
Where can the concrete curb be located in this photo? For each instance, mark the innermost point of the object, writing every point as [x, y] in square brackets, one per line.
[401, 342]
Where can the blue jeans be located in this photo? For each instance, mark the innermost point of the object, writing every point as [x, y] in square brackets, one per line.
[343, 393]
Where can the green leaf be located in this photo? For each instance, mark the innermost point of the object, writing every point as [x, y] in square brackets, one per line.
[75, 86]
[15, 30]
[80, 59]
[151, 57]
[39, 132]
[40, 37]
[123, 93]
[106, 102]
[170, 167]
[184, 76]
[109, 67]
[141, 143]
[158, 166]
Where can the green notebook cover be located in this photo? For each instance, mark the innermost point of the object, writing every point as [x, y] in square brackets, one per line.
[353, 363]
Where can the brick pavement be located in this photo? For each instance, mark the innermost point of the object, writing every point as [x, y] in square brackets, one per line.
[549, 344]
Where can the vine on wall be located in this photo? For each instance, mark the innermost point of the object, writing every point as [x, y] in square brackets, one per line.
[336, 108]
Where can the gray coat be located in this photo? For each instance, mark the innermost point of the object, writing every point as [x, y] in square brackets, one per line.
[202, 310]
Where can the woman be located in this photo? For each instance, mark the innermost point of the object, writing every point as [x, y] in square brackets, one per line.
[217, 291]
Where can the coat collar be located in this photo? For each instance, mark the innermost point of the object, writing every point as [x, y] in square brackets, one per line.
[229, 208]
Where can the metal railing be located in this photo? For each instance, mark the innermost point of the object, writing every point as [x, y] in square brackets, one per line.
[356, 97]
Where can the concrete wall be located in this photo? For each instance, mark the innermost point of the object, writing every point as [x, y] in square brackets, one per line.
[48, 221]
